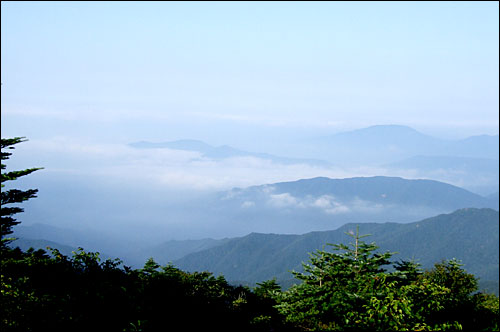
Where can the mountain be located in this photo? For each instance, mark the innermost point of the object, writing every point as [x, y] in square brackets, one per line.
[323, 203]
[41, 236]
[169, 251]
[481, 146]
[223, 152]
[377, 189]
[113, 244]
[375, 145]
[471, 235]
[389, 135]
[294, 207]
[25, 244]
[384, 144]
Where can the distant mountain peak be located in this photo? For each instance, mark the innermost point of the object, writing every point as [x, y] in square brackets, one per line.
[390, 129]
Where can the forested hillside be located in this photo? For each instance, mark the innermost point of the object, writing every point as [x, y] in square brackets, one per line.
[470, 235]
[350, 289]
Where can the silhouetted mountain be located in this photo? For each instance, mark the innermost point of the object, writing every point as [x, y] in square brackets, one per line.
[471, 235]
[26, 244]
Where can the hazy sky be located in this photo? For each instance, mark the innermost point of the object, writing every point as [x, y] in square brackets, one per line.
[81, 79]
[215, 70]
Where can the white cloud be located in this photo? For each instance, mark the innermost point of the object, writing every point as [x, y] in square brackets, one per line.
[330, 205]
[326, 203]
[283, 200]
[174, 169]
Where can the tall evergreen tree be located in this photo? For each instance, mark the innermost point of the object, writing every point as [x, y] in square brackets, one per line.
[351, 290]
[12, 196]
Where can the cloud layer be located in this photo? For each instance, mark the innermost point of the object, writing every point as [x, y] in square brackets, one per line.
[165, 167]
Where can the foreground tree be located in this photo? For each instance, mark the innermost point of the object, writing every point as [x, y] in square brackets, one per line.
[351, 290]
[12, 196]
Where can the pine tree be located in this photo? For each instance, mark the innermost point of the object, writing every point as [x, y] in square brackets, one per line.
[334, 284]
[12, 196]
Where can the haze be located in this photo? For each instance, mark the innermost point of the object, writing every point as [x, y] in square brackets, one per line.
[84, 80]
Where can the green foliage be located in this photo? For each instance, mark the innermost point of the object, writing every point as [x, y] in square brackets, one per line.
[267, 288]
[333, 285]
[42, 292]
[12, 196]
[346, 290]
[351, 290]
[473, 310]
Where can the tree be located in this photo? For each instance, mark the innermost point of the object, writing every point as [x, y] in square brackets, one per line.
[333, 285]
[12, 196]
[475, 311]
[351, 290]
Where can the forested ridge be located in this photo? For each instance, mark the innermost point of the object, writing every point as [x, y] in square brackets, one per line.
[349, 286]
[349, 290]
[256, 257]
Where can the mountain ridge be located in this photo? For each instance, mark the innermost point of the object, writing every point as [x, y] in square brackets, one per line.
[474, 240]
[380, 144]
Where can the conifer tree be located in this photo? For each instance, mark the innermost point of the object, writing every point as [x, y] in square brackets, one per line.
[351, 290]
[334, 284]
[12, 196]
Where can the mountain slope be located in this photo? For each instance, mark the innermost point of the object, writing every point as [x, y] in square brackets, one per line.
[323, 204]
[383, 189]
[470, 235]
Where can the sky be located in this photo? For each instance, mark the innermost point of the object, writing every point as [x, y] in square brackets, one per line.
[81, 80]
[165, 70]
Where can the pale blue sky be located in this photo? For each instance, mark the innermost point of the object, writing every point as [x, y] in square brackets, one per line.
[236, 73]
[83, 79]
